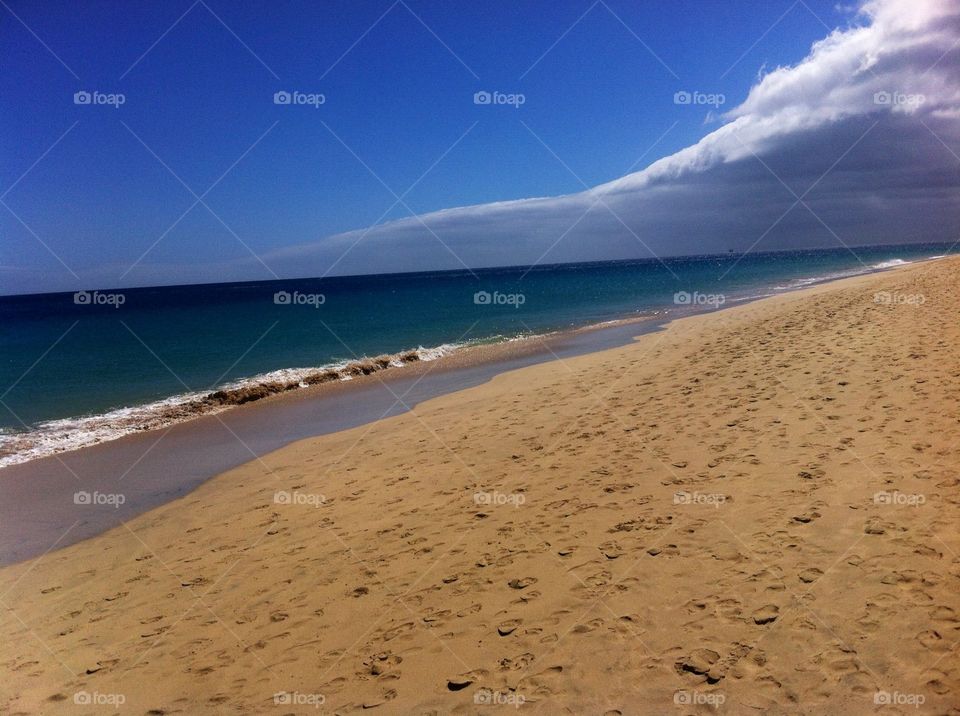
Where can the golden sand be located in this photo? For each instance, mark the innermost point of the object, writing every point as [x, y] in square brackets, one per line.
[753, 511]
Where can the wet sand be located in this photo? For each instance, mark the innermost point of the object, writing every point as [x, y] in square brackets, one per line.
[753, 511]
[37, 499]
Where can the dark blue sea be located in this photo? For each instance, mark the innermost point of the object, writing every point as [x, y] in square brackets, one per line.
[79, 368]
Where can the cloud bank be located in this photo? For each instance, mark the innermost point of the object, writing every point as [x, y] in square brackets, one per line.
[853, 145]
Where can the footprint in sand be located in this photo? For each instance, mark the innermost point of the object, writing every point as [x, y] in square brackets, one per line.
[766, 614]
[521, 583]
[700, 662]
[508, 627]
[811, 574]
[462, 681]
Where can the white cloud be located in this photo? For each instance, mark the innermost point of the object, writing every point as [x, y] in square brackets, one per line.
[878, 96]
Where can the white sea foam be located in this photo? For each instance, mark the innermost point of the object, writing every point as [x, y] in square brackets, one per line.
[891, 263]
[57, 436]
[62, 435]
[811, 280]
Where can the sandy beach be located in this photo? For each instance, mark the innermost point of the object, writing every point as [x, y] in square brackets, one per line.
[752, 511]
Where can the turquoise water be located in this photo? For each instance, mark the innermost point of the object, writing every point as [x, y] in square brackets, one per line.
[64, 358]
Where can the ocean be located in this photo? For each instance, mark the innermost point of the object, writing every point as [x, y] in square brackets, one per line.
[76, 369]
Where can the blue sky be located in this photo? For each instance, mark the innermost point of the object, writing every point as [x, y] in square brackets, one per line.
[398, 80]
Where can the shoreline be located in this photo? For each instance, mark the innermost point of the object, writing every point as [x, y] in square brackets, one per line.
[50, 438]
[378, 566]
[152, 468]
